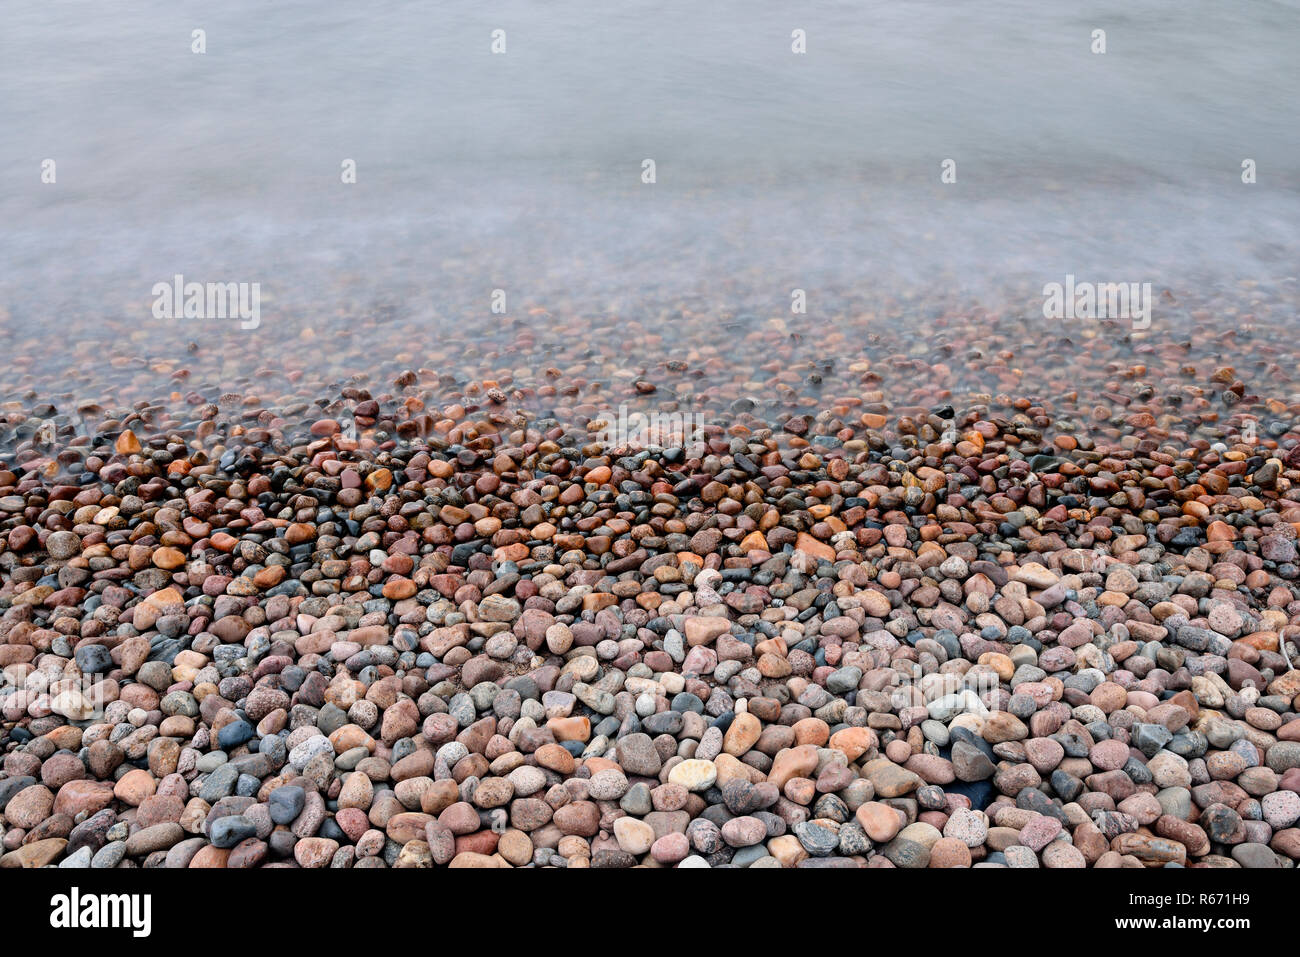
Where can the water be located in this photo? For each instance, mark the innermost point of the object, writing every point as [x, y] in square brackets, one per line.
[522, 171]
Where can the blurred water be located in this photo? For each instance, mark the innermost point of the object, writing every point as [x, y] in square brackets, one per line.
[522, 171]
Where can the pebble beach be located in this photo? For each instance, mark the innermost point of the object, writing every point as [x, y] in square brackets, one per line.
[648, 436]
[905, 601]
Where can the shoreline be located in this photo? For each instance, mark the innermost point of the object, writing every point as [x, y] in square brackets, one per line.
[895, 629]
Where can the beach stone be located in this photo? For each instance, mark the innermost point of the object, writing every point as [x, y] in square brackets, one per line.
[286, 803]
[744, 831]
[890, 780]
[314, 852]
[670, 849]
[634, 836]
[1039, 832]
[375, 600]
[880, 821]
[950, 852]
[637, 755]
[694, 775]
[36, 854]
[29, 806]
[968, 826]
[1281, 809]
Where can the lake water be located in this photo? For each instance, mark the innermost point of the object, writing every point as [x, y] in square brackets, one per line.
[522, 171]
